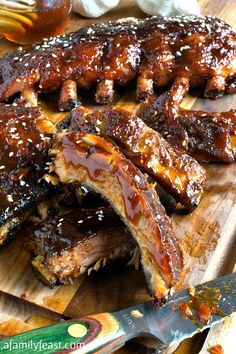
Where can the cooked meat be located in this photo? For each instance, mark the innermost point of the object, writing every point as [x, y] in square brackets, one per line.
[206, 136]
[98, 164]
[155, 51]
[78, 242]
[178, 173]
[25, 137]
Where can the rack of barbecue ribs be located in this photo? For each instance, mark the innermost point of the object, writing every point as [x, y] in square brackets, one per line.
[155, 52]
[81, 241]
[176, 171]
[92, 161]
[206, 136]
[179, 51]
[28, 172]
[25, 137]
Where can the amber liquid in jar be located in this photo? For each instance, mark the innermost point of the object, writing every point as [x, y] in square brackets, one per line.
[47, 18]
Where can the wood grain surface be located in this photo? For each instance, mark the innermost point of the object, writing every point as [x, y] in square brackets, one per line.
[207, 235]
[19, 316]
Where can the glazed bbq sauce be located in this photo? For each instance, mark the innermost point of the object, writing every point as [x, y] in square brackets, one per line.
[204, 302]
[68, 231]
[102, 157]
[48, 19]
[97, 156]
[22, 158]
[217, 349]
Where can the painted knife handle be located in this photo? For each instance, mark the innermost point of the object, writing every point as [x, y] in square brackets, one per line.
[100, 333]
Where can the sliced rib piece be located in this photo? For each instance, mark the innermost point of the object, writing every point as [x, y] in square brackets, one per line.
[98, 164]
[178, 173]
[207, 136]
[154, 51]
[78, 242]
[25, 137]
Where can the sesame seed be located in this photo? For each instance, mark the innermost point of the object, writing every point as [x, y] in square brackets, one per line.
[90, 30]
[137, 178]
[9, 198]
[12, 130]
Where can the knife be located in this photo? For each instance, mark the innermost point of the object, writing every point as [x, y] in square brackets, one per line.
[184, 314]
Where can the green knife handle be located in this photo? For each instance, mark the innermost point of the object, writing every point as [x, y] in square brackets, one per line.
[100, 333]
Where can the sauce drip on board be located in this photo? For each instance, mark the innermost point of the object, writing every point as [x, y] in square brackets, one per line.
[205, 302]
[217, 349]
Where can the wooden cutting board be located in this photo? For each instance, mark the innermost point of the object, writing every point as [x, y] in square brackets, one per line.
[207, 235]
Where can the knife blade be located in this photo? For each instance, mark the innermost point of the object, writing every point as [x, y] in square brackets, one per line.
[169, 325]
[205, 305]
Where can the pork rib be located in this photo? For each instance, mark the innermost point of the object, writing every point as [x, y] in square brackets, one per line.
[93, 161]
[207, 136]
[177, 172]
[80, 241]
[25, 137]
[154, 51]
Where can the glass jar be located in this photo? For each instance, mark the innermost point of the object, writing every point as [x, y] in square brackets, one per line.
[46, 18]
